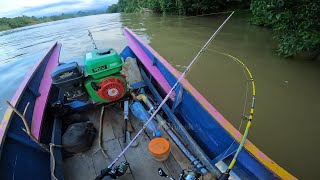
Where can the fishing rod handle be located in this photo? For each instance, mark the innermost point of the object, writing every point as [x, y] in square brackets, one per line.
[103, 174]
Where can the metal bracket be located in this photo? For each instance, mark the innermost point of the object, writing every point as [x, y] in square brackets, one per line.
[138, 85]
[154, 60]
[33, 91]
[178, 97]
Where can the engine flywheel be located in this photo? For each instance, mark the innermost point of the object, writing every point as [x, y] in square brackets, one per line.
[111, 89]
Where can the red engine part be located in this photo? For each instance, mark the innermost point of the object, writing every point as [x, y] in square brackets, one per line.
[111, 89]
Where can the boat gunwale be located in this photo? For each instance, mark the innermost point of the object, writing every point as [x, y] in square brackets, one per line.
[6, 120]
[250, 147]
[44, 90]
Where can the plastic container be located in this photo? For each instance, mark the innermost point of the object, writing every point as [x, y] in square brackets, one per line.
[141, 113]
[159, 149]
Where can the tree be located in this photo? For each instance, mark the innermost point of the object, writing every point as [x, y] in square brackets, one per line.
[113, 8]
[296, 24]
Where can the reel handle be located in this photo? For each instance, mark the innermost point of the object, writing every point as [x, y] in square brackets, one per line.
[163, 174]
[103, 173]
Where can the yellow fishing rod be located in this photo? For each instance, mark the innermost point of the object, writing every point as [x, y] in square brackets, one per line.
[226, 174]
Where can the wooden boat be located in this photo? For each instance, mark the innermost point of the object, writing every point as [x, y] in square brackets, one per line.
[201, 128]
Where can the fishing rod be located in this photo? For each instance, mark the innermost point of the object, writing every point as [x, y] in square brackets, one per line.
[226, 174]
[108, 169]
[93, 42]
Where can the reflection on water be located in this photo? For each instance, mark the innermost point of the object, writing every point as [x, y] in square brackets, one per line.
[285, 125]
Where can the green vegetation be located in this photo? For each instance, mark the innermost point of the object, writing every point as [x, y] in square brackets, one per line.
[296, 24]
[11, 23]
[8, 23]
[113, 8]
[182, 7]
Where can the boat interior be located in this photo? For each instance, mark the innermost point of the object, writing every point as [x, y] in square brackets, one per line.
[108, 120]
[88, 165]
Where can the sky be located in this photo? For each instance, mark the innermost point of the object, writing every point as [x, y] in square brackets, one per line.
[13, 8]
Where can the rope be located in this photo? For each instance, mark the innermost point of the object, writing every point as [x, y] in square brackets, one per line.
[172, 89]
[51, 145]
[100, 133]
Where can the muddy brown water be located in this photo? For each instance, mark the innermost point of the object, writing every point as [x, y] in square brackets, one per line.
[286, 121]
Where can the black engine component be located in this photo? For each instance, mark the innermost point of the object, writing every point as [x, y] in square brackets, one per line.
[68, 77]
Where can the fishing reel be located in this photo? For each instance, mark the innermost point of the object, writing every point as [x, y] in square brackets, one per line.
[115, 172]
[186, 174]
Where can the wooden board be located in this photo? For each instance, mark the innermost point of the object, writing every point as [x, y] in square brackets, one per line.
[89, 164]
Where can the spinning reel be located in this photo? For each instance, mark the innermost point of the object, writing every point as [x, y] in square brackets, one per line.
[186, 174]
[115, 172]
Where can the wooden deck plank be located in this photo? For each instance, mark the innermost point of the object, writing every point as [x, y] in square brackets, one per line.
[141, 162]
[110, 144]
[114, 149]
[79, 167]
[117, 121]
[170, 165]
[173, 168]
[107, 133]
[139, 158]
[181, 159]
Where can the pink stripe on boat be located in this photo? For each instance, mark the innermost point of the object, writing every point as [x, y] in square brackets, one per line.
[44, 90]
[5, 122]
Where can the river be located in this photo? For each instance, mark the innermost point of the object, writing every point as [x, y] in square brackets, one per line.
[287, 101]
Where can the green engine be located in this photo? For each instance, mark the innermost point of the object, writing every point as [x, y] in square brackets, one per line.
[103, 80]
[100, 79]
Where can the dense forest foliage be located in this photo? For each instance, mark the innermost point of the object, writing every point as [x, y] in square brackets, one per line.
[182, 7]
[295, 23]
[11, 23]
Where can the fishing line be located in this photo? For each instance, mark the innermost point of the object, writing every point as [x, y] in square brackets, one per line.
[159, 22]
[172, 89]
[163, 21]
[243, 112]
[188, 17]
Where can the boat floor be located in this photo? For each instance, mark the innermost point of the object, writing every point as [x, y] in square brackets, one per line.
[89, 164]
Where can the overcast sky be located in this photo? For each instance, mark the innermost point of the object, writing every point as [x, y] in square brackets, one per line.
[13, 8]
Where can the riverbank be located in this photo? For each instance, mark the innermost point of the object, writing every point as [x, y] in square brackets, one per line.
[294, 24]
[12, 23]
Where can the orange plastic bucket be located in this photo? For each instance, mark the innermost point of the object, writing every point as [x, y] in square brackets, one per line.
[159, 149]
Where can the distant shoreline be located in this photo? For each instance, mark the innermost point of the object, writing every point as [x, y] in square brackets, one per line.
[22, 21]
